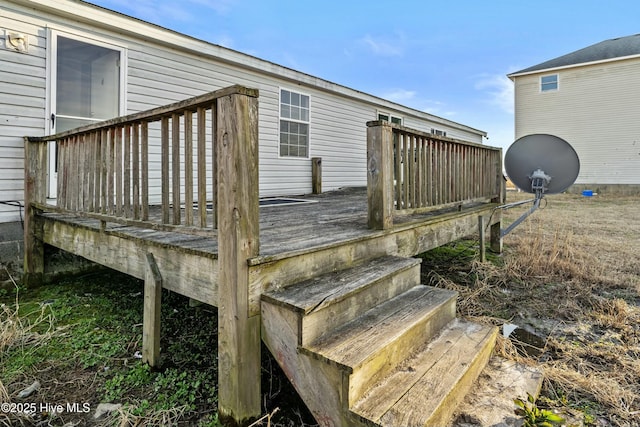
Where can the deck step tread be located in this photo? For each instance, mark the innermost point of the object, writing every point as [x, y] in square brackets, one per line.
[319, 292]
[353, 343]
[413, 394]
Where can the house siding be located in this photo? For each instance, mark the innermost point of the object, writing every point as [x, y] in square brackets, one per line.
[165, 67]
[23, 94]
[596, 110]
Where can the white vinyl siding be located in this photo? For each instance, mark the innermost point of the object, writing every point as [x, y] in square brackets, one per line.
[596, 111]
[22, 110]
[165, 67]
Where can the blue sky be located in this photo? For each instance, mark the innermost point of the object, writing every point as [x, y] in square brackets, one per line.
[448, 58]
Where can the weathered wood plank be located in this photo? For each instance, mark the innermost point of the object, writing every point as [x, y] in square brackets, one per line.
[380, 177]
[104, 162]
[111, 172]
[164, 144]
[202, 166]
[35, 187]
[127, 172]
[482, 239]
[316, 175]
[238, 329]
[135, 170]
[321, 386]
[175, 167]
[90, 172]
[144, 159]
[156, 114]
[189, 272]
[188, 168]
[151, 313]
[455, 370]
[215, 141]
[118, 172]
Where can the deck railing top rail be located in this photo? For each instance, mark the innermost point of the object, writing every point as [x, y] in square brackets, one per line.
[411, 171]
[103, 169]
[154, 114]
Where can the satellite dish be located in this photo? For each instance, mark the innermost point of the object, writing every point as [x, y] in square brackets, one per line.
[539, 164]
[542, 164]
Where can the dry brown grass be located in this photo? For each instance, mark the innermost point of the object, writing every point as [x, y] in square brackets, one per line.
[571, 273]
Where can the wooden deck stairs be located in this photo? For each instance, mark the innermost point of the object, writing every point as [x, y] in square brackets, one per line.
[371, 346]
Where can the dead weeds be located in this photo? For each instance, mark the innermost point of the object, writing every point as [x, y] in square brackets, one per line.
[570, 274]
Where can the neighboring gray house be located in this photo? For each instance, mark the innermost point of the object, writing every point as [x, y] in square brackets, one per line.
[66, 63]
[589, 98]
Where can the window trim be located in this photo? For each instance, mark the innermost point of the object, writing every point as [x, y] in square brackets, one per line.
[307, 122]
[390, 116]
[553, 89]
[53, 32]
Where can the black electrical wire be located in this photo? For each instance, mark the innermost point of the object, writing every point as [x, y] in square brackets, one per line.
[15, 203]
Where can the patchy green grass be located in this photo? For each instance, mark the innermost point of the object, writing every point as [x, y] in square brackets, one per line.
[570, 273]
[81, 339]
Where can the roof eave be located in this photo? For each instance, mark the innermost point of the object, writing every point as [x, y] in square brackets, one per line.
[512, 76]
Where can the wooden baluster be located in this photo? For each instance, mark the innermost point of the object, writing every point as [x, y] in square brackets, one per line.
[188, 168]
[164, 143]
[175, 175]
[202, 166]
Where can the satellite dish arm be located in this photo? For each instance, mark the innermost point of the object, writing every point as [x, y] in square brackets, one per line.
[514, 224]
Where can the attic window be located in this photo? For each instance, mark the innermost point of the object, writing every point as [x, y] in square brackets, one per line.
[389, 118]
[549, 83]
[438, 132]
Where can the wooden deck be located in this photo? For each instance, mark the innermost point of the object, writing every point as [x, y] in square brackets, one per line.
[297, 241]
[422, 191]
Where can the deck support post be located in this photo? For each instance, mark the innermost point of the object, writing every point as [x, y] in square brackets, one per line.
[35, 191]
[239, 396]
[496, 236]
[495, 233]
[481, 232]
[151, 314]
[316, 175]
[380, 175]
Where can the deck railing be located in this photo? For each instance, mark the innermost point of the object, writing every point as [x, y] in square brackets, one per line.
[104, 171]
[410, 171]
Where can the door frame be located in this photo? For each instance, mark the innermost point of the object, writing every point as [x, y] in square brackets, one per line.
[53, 33]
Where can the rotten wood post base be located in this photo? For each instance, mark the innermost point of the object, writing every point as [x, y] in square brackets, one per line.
[151, 315]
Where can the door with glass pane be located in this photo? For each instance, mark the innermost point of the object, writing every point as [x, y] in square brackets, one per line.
[86, 87]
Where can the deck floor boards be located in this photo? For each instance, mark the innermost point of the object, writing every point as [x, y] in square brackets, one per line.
[334, 217]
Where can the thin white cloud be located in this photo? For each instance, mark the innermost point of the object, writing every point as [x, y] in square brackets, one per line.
[393, 46]
[401, 96]
[411, 98]
[499, 91]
